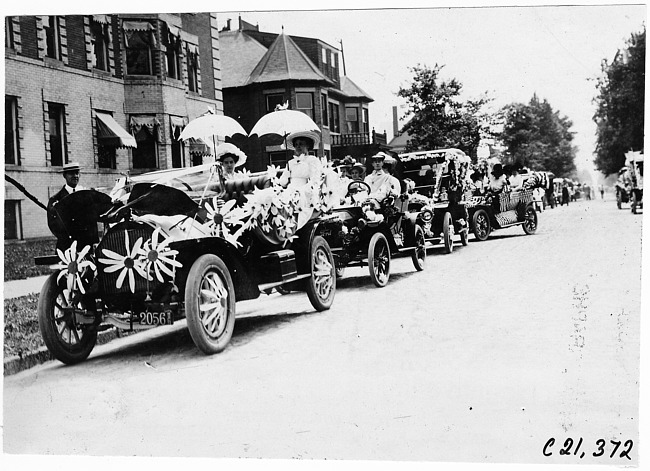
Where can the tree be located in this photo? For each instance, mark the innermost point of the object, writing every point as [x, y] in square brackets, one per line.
[439, 119]
[620, 105]
[538, 137]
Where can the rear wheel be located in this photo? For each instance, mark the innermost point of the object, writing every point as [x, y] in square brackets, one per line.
[448, 233]
[379, 260]
[210, 304]
[530, 220]
[321, 285]
[481, 224]
[419, 255]
[68, 342]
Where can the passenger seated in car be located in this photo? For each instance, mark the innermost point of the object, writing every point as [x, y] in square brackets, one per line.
[381, 186]
[230, 157]
[498, 180]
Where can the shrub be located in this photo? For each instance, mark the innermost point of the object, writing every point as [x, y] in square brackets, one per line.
[19, 258]
[22, 335]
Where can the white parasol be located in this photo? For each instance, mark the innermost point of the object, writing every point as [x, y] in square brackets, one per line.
[284, 122]
[211, 125]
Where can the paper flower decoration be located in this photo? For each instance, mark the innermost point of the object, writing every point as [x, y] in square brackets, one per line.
[223, 217]
[72, 266]
[128, 263]
[159, 257]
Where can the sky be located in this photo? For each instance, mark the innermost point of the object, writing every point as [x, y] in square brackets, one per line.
[509, 52]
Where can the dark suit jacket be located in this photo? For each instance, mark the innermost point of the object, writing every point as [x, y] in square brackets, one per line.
[64, 224]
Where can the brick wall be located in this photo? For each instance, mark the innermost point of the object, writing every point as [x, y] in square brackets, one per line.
[29, 36]
[76, 42]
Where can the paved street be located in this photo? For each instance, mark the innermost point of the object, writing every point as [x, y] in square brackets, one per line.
[483, 357]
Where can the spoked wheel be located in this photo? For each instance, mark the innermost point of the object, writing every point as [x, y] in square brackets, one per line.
[619, 199]
[68, 342]
[420, 253]
[379, 260]
[464, 236]
[633, 203]
[448, 233]
[321, 286]
[482, 226]
[530, 220]
[210, 304]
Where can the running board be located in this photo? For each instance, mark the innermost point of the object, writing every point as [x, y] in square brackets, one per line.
[266, 286]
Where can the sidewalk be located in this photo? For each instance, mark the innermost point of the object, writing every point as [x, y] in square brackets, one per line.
[17, 288]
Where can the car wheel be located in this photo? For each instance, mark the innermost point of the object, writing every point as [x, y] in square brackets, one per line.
[68, 342]
[530, 220]
[481, 223]
[448, 233]
[210, 304]
[321, 285]
[419, 255]
[379, 259]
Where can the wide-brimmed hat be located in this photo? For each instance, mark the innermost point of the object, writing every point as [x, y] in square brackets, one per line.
[497, 170]
[358, 166]
[390, 160]
[380, 156]
[313, 135]
[70, 167]
[230, 149]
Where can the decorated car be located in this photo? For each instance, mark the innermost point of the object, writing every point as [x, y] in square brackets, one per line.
[440, 181]
[371, 241]
[181, 243]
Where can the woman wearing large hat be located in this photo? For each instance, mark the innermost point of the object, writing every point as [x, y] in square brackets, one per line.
[230, 157]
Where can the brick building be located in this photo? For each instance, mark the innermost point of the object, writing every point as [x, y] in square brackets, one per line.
[261, 70]
[112, 92]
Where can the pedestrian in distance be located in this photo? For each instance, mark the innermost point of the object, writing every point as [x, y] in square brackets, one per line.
[565, 195]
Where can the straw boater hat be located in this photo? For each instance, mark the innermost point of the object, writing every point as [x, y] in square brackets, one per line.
[231, 149]
[70, 167]
[313, 135]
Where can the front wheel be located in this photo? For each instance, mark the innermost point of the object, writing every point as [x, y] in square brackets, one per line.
[448, 233]
[633, 204]
[419, 255]
[481, 223]
[210, 304]
[68, 342]
[530, 220]
[619, 199]
[379, 260]
[321, 285]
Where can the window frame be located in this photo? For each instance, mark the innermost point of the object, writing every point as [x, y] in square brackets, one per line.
[56, 111]
[17, 219]
[173, 56]
[12, 130]
[192, 70]
[308, 111]
[352, 124]
[148, 141]
[130, 50]
[9, 32]
[103, 45]
[275, 95]
[324, 109]
[52, 37]
[335, 117]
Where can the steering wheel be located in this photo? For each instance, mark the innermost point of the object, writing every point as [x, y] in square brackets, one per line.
[358, 186]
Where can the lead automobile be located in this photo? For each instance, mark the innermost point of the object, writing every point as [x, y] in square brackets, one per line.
[174, 248]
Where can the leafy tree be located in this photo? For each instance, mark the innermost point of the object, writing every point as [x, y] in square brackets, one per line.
[439, 119]
[620, 105]
[538, 137]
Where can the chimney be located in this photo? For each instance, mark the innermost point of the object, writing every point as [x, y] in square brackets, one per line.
[395, 124]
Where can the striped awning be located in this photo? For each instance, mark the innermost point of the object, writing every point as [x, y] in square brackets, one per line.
[199, 147]
[137, 26]
[177, 123]
[103, 19]
[110, 133]
[174, 30]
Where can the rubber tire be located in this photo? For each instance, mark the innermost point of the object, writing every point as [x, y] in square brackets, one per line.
[419, 255]
[448, 232]
[203, 266]
[479, 215]
[464, 236]
[619, 199]
[320, 303]
[378, 239]
[633, 203]
[527, 228]
[60, 349]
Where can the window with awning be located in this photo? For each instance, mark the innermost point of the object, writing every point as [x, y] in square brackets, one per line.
[111, 133]
[140, 40]
[145, 130]
[149, 124]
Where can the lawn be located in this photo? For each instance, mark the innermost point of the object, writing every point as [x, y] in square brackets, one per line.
[21, 326]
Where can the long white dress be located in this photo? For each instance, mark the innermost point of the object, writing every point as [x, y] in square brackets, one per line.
[303, 174]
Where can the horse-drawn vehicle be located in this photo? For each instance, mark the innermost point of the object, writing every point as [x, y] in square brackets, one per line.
[363, 241]
[440, 183]
[179, 244]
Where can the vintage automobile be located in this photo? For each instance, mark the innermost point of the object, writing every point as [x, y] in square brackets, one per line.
[440, 182]
[634, 162]
[182, 243]
[362, 242]
[499, 210]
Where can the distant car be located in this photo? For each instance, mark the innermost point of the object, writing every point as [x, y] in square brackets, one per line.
[500, 210]
[169, 253]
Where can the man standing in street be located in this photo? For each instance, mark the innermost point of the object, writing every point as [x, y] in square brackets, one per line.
[64, 230]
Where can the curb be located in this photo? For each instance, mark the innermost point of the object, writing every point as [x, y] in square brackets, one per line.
[16, 364]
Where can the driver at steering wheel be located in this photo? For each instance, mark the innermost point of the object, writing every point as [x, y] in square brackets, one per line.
[379, 181]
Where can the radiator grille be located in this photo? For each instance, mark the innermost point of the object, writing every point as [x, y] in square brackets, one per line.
[115, 240]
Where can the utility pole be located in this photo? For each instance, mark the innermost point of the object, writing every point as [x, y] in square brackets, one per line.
[342, 56]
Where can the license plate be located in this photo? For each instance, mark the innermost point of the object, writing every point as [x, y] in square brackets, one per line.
[156, 318]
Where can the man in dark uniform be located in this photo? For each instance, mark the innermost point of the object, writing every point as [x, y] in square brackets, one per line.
[63, 224]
